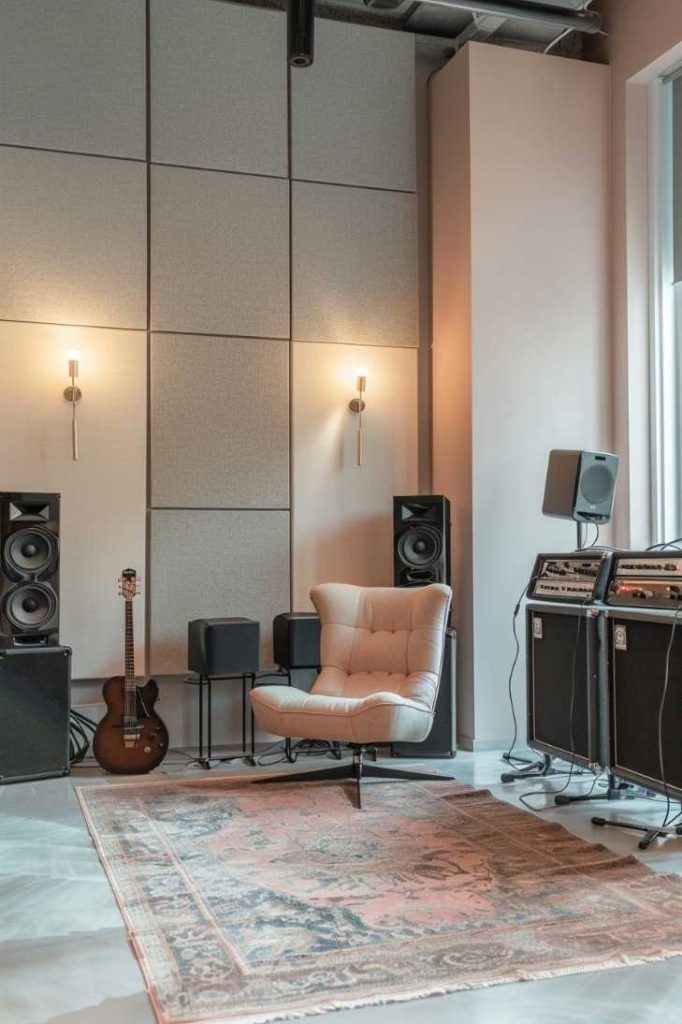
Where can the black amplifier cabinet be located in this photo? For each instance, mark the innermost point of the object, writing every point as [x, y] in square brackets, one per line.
[637, 645]
[645, 579]
[566, 703]
[34, 713]
[576, 578]
[442, 740]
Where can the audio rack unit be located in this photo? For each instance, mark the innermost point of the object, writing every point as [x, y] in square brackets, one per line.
[645, 579]
[578, 578]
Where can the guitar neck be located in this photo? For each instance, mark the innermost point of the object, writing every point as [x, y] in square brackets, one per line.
[129, 648]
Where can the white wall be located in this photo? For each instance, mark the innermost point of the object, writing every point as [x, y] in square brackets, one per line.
[520, 162]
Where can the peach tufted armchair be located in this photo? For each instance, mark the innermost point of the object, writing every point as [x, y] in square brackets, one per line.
[381, 655]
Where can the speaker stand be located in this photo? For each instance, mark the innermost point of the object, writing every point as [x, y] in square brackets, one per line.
[536, 770]
[614, 791]
[651, 832]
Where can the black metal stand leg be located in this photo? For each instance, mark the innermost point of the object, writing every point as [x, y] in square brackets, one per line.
[615, 791]
[378, 771]
[536, 770]
[201, 719]
[651, 832]
[357, 764]
[210, 717]
[288, 751]
[252, 758]
[340, 771]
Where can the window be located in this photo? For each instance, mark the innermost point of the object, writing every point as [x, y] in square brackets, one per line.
[666, 309]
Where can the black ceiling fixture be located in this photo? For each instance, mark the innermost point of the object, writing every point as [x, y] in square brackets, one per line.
[300, 32]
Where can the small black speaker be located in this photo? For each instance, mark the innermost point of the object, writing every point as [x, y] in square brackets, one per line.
[565, 706]
[580, 485]
[442, 740]
[223, 647]
[34, 713]
[296, 640]
[637, 652]
[29, 569]
[421, 540]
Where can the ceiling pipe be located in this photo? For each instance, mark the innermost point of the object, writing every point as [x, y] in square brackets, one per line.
[300, 32]
[560, 17]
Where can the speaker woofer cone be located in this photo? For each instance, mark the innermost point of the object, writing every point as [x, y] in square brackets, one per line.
[420, 546]
[31, 552]
[30, 607]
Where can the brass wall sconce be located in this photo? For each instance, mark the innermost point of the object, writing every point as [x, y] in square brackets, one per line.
[73, 395]
[357, 405]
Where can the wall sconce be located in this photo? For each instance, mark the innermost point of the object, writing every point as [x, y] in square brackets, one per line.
[73, 395]
[357, 405]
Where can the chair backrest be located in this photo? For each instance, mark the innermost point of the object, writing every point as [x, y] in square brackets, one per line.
[382, 629]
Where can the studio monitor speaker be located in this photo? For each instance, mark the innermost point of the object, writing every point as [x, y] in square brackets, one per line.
[29, 569]
[580, 485]
[34, 713]
[421, 540]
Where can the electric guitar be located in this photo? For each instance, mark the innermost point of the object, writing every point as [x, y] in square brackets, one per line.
[131, 739]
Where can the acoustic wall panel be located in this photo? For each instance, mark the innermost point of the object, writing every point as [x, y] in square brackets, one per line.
[219, 253]
[219, 86]
[214, 564]
[103, 495]
[353, 111]
[219, 422]
[354, 265]
[72, 75]
[342, 512]
[72, 239]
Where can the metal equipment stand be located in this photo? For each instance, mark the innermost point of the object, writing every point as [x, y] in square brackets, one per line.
[207, 760]
[651, 832]
[614, 791]
[536, 770]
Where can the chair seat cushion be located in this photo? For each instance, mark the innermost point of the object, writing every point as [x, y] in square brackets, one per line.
[382, 716]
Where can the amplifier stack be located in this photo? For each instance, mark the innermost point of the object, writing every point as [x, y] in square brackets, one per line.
[604, 638]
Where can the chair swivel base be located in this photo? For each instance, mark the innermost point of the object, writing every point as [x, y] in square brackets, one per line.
[357, 769]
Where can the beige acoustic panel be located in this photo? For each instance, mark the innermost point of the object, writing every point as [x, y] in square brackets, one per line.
[72, 239]
[215, 564]
[342, 512]
[219, 422]
[219, 86]
[103, 495]
[354, 265]
[219, 253]
[72, 75]
[353, 111]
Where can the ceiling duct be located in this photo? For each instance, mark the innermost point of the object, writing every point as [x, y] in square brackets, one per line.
[561, 18]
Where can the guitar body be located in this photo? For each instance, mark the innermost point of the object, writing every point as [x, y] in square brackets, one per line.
[151, 742]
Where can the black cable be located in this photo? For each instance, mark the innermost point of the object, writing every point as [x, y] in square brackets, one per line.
[571, 716]
[508, 755]
[661, 710]
[666, 544]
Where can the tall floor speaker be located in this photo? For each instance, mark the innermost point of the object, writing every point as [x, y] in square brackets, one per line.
[442, 740]
[637, 644]
[421, 540]
[29, 569]
[566, 706]
[34, 712]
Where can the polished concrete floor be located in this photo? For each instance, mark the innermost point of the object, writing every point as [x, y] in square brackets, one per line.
[64, 958]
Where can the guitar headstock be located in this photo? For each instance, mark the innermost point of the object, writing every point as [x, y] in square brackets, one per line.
[128, 584]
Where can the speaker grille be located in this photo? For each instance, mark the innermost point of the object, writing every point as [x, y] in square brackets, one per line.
[596, 484]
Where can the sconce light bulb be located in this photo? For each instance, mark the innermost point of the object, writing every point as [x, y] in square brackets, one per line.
[73, 354]
[361, 378]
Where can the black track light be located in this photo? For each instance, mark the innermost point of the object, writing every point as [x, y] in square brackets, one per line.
[300, 32]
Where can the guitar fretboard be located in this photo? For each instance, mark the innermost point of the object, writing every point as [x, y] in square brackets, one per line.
[130, 692]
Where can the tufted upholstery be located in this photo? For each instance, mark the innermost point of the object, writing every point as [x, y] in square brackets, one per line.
[381, 656]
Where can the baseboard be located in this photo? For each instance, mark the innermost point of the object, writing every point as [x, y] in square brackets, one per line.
[479, 746]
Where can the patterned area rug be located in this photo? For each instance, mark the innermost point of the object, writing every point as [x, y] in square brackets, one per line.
[255, 903]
